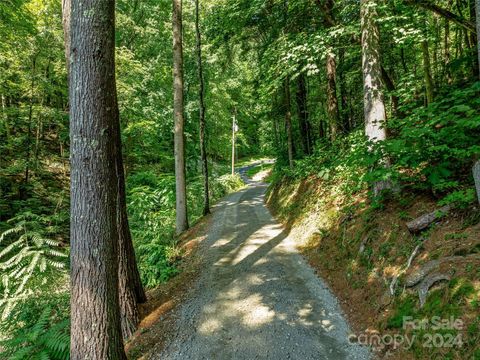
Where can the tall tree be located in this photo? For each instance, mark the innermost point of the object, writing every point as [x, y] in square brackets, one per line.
[427, 72]
[473, 35]
[427, 68]
[446, 45]
[95, 311]
[288, 120]
[477, 20]
[331, 68]
[332, 101]
[201, 106]
[302, 108]
[345, 116]
[178, 103]
[66, 15]
[131, 291]
[476, 168]
[374, 106]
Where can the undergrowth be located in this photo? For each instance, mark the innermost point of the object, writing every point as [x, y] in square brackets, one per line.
[151, 206]
[431, 149]
[34, 261]
[358, 241]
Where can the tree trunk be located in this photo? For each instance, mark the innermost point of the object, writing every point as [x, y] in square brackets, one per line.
[402, 57]
[66, 15]
[332, 101]
[131, 291]
[28, 143]
[288, 122]
[326, 7]
[473, 38]
[460, 21]
[180, 181]
[390, 86]
[95, 311]
[436, 41]
[5, 119]
[345, 117]
[427, 72]
[303, 113]
[477, 20]
[374, 106]
[446, 46]
[201, 106]
[476, 168]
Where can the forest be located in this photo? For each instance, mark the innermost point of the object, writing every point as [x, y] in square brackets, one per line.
[130, 129]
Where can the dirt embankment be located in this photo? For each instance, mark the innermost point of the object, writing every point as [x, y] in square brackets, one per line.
[366, 253]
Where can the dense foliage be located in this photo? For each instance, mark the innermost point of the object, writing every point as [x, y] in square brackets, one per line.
[264, 59]
[34, 153]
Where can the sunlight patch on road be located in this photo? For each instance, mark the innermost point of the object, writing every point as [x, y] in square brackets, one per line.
[231, 306]
[256, 241]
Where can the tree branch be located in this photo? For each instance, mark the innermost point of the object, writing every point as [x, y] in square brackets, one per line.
[460, 21]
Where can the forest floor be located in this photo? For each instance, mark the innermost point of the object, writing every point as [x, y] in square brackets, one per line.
[255, 297]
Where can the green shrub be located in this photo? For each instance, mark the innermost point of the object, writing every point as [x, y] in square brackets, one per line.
[151, 207]
[45, 339]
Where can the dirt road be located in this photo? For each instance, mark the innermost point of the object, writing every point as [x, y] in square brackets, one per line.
[256, 297]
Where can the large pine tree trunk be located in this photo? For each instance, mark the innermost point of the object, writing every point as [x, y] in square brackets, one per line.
[288, 121]
[95, 311]
[374, 106]
[131, 291]
[201, 103]
[180, 181]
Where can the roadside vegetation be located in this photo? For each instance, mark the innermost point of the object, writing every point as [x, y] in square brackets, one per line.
[128, 114]
[361, 244]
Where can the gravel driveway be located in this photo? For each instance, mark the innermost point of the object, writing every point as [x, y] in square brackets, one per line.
[256, 297]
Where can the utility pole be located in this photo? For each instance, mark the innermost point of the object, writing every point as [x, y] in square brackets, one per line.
[234, 129]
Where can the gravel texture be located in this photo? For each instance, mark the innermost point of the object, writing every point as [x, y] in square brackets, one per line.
[256, 297]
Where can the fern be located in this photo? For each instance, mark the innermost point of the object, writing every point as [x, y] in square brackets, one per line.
[27, 258]
[43, 340]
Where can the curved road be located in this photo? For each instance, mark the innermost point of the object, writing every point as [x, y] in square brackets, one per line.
[256, 297]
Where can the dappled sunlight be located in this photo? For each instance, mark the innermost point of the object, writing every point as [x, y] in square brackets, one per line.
[392, 270]
[260, 298]
[372, 275]
[254, 243]
[262, 294]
